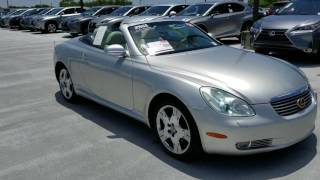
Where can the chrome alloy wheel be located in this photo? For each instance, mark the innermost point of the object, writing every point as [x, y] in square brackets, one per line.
[52, 28]
[173, 129]
[66, 85]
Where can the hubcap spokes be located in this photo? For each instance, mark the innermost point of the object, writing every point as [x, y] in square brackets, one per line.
[65, 84]
[173, 129]
[51, 28]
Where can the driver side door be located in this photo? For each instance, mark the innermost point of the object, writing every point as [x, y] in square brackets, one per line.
[219, 21]
[108, 78]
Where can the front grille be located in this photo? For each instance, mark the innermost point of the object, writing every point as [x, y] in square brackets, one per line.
[273, 38]
[290, 105]
[256, 144]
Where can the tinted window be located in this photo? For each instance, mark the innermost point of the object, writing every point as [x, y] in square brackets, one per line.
[69, 11]
[79, 10]
[195, 10]
[155, 11]
[301, 7]
[236, 7]
[90, 12]
[106, 11]
[121, 11]
[179, 8]
[220, 9]
[54, 11]
[137, 11]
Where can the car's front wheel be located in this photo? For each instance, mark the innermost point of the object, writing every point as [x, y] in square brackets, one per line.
[66, 85]
[176, 130]
[51, 27]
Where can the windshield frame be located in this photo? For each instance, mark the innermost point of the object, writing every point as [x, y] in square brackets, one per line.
[215, 43]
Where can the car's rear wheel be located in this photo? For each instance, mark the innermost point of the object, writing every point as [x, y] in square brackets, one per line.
[262, 50]
[51, 27]
[176, 130]
[66, 85]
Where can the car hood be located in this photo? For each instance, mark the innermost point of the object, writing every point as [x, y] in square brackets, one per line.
[287, 21]
[254, 77]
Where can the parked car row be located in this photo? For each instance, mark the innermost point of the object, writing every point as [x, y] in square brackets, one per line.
[220, 18]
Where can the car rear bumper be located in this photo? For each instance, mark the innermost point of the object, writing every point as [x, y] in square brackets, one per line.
[266, 131]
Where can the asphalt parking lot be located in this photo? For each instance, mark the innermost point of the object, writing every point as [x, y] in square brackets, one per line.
[44, 137]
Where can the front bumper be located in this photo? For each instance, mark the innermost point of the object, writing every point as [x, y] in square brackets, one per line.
[40, 25]
[74, 27]
[276, 39]
[266, 126]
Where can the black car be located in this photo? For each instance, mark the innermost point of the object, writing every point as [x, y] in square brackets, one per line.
[25, 22]
[14, 22]
[79, 24]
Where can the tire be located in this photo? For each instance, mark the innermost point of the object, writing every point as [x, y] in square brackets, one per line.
[179, 137]
[262, 51]
[51, 27]
[66, 85]
[74, 34]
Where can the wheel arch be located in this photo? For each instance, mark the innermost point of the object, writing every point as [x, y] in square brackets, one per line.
[58, 66]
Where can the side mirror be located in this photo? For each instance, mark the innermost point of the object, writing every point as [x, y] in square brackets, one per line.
[172, 13]
[62, 13]
[115, 50]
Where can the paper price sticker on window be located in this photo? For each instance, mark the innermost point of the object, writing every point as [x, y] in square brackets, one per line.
[159, 47]
[99, 35]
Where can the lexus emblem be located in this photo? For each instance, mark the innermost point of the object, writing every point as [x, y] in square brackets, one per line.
[272, 33]
[301, 102]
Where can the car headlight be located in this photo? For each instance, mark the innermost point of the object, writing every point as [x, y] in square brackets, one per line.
[311, 27]
[225, 102]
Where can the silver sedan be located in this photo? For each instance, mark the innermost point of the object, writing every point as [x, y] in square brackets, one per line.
[195, 93]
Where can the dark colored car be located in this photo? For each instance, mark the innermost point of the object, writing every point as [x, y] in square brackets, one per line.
[6, 19]
[295, 27]
[26, 21]
[275, 7]
[121, 12]
[50, 22]
[15, 22]
[77, 25]
[219, 18]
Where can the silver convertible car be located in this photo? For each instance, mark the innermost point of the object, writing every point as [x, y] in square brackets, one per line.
[195, 93]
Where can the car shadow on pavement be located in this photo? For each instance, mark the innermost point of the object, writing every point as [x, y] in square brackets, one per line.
[262, 166]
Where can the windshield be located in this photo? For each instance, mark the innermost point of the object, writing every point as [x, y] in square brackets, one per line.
[121, 11]
[44, 11]
[18, 12]
[301, 7]
[31, 12]
[155, 11]
[91, 11]
[169, 37]
[195, 10]
[54, 11]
